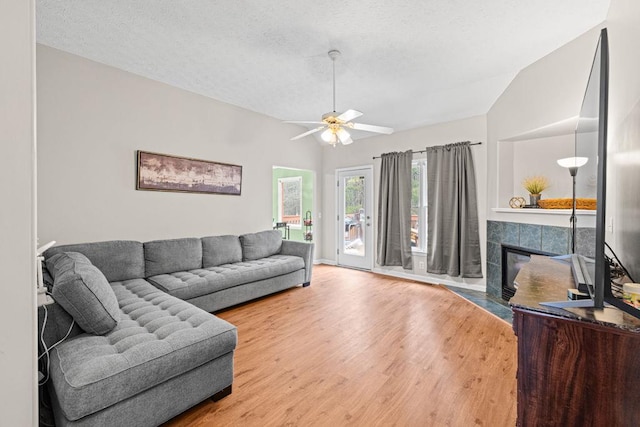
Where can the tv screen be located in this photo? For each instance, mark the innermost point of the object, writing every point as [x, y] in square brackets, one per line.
[588, 261]
[591, 179]
[586, 146]
[591, 140]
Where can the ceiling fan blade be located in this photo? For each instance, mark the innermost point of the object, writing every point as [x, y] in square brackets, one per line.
[302, 135]
[302, 122]
[344, 137]
[371, 128]
[349, 115]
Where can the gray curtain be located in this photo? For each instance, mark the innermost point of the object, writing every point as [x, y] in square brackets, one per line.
[394, 210]
[453, 242]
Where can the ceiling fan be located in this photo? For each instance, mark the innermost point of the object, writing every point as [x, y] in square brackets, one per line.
[335, 124]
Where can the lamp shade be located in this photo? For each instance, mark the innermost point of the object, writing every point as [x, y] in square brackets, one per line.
[326, 135]
[335, 134]
[573, 162]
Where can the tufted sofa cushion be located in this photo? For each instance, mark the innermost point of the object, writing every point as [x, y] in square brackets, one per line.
[159, 337]
[194, 283]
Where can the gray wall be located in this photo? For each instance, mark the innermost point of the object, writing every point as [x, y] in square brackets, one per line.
[18, 392]
[92, 118]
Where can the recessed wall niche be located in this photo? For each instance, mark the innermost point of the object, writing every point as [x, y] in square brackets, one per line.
[522, 157]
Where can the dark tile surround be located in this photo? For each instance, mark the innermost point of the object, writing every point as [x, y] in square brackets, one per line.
[546, 238]
[493, 305]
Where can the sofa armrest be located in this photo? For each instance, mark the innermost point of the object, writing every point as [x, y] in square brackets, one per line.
[303, 250]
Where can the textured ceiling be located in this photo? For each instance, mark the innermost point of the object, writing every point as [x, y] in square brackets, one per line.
[404, 63]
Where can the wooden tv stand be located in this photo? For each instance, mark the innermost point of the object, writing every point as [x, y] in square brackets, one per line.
[576, 367]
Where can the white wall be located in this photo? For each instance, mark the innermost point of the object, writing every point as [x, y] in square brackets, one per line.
[361, 152]
[623, 198]
[91, 120]
[535, 157]
[541, 100]
[18, 392]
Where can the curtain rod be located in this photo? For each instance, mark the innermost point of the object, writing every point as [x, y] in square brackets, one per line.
[424, 151]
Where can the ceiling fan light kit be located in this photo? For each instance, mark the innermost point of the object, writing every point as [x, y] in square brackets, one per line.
[333, 124]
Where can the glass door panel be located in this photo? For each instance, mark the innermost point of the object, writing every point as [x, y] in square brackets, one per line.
[355, 218]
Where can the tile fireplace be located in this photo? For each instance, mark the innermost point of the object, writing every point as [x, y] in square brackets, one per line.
[534, 238]
[513, 258]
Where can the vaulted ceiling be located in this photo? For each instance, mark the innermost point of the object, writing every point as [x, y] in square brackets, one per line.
[404, 63]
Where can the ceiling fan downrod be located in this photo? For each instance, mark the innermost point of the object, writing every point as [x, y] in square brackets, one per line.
[334, 54]
[333, 125]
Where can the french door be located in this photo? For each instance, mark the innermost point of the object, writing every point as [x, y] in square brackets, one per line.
[355, 217]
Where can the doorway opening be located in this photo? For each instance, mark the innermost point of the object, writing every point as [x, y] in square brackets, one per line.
[293, 196]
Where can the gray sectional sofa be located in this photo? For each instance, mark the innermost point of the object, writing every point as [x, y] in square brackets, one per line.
[142, 346]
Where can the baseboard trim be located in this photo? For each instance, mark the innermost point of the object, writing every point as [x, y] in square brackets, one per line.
[432, 280]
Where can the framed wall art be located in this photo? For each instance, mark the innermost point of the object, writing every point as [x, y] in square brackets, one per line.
[164, 172]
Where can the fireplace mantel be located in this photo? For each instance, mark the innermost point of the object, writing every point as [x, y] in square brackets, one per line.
[567, 212]
[550, 217]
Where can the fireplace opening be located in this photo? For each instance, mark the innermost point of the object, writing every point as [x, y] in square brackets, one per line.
[513, 258]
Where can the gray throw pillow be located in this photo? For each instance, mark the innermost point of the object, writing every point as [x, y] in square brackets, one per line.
[260, 245]
[83, 291]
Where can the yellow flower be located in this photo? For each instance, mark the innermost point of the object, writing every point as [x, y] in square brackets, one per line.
[535, 184]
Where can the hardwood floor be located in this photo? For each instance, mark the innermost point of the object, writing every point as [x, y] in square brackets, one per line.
[356, 348]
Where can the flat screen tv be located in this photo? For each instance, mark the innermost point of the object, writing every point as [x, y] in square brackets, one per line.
[591, 142]
[591, 138]
[590, 268]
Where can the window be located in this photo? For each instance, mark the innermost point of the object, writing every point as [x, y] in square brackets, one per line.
[290, 201]
[419, 205]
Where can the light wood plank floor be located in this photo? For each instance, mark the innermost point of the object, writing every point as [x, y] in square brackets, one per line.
[356, 348]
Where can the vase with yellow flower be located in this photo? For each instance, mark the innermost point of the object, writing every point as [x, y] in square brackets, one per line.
[535, 185]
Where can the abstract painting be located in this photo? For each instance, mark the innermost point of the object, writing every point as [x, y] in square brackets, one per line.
[164, 172]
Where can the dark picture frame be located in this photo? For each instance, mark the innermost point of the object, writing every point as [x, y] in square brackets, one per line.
[166, 172]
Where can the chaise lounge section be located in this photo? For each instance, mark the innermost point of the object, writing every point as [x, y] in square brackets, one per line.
[143, 346]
